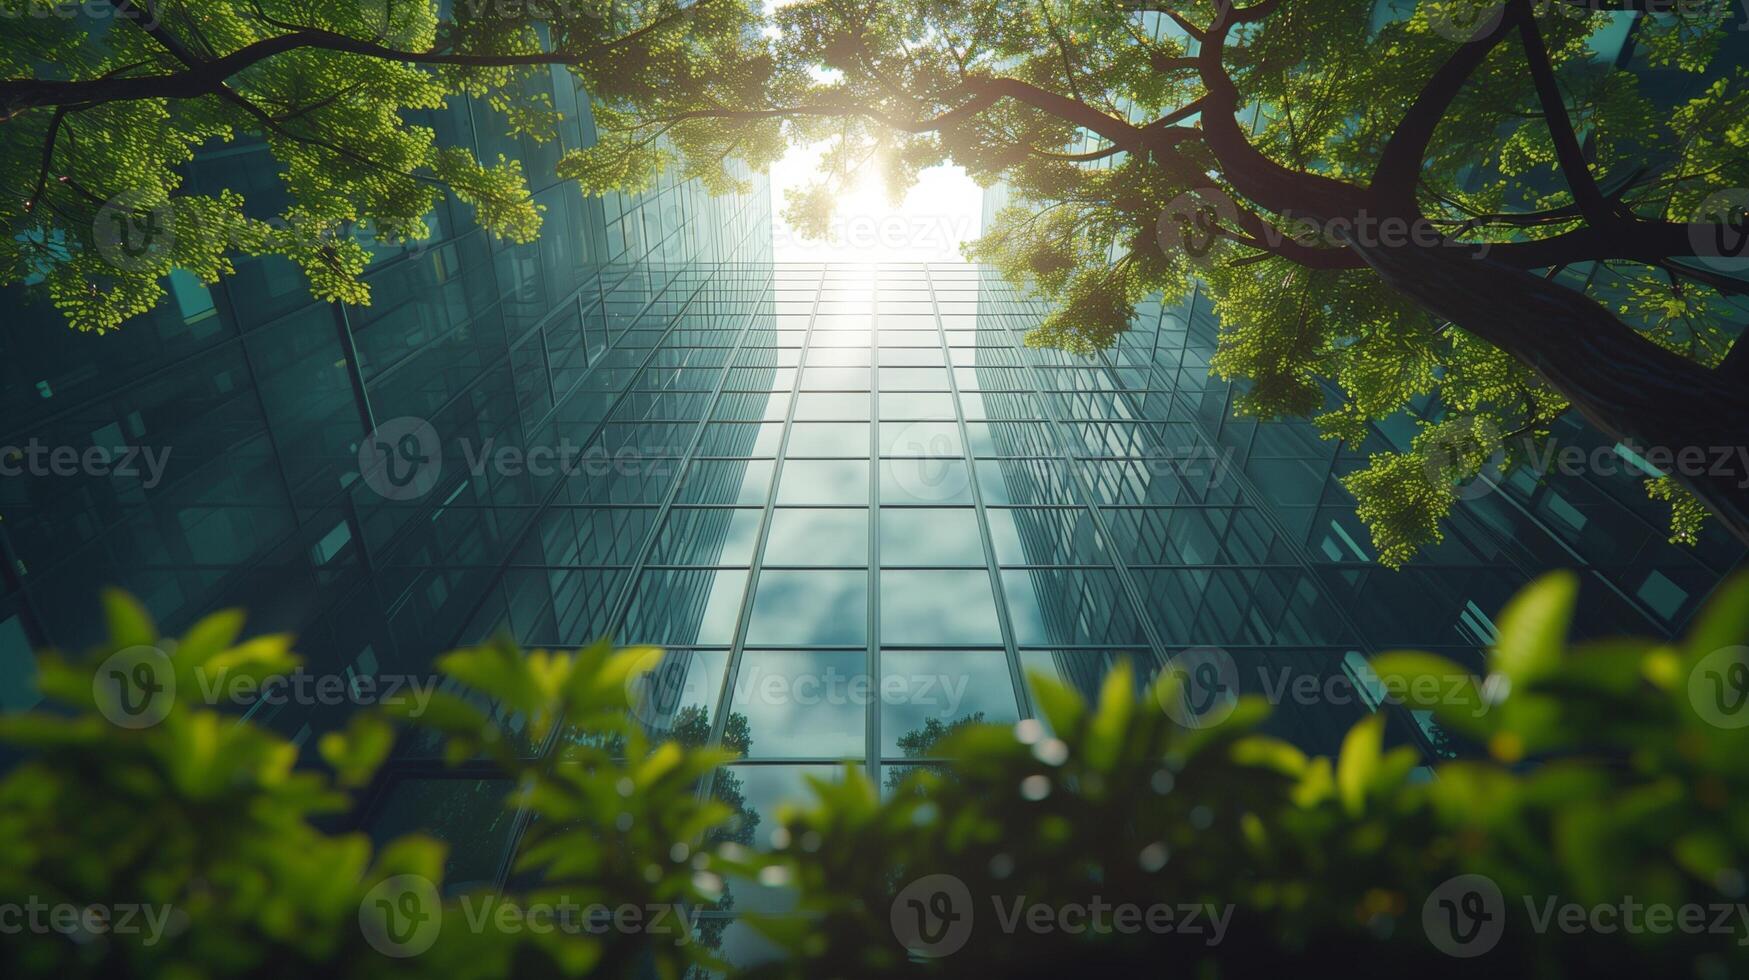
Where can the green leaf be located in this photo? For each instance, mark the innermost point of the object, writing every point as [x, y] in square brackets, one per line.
[129, 623]
[357, 753]
[1533, 628]
[1358, 763]
[1722, 622]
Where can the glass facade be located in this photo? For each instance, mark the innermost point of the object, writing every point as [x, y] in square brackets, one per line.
[850, 504]
[261, 405]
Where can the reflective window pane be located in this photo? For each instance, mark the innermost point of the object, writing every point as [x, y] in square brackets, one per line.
[707, 536]
[938, 607]
[824, 481]
[925, 695]
[917, 405]
[829, 439]
[831, 406]
[803, 704]
[925, 481]
[717, 481]
[823, 607]
[921, 439]
[817, 536]
[680, 607]
[930, 536]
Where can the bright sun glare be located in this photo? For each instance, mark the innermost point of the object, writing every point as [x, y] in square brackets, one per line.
[939, 213]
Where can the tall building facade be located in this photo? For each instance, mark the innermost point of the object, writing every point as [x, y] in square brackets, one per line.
[849, 503]
[258, 407]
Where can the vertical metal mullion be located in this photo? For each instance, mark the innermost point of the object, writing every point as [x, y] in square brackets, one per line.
[520, 820]
[1126, 581]
[750, 590]
[1010, 647]
[872, 723]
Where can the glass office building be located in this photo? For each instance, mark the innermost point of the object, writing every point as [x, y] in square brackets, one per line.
[257, 401]
[850, 504]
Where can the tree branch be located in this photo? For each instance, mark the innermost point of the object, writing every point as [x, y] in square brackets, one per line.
[1571, 156]
[1399, 168]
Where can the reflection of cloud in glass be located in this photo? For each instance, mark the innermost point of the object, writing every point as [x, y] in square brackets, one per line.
[817, 536]
[930, 536]
[803, 704]
[810, 607]
[920, 686]
[938, 607]
[824, 481]
[829, 439]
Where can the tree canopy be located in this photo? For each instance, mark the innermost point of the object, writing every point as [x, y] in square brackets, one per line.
[1460, 201]
[103, 104]
[1455, 203]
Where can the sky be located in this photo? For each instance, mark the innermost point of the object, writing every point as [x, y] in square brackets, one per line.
[939, 213]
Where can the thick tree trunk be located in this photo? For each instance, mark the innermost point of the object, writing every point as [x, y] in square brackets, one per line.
[1625, 385]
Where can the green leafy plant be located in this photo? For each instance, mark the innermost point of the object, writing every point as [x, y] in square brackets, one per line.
[104, 105]
[205, 821]
[1608, 776]
[1470, 204]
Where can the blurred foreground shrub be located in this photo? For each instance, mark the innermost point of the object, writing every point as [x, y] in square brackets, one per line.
[1601, 831]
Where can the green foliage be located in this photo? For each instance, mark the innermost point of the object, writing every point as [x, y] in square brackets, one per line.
[1321, 860]
[1609, 774]
[206, 821]
[1095, 120]
[97, 207]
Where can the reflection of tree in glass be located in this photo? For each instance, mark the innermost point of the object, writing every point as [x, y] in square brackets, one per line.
[1440, 739]
[920, 743]
[692, 729]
